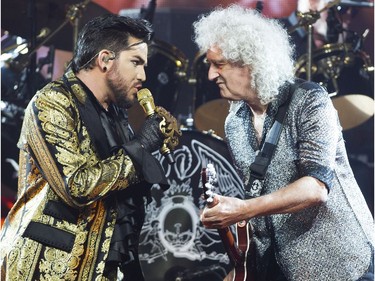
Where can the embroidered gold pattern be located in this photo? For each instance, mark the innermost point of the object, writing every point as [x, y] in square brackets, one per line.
[72, 173]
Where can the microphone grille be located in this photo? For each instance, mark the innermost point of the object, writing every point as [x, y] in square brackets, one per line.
[143, 93]
[146, 101]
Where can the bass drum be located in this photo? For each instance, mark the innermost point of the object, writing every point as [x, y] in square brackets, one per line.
[173, 243]
[348, 77]
[165, 72]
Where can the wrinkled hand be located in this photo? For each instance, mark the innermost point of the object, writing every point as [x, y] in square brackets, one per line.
[150, 135]
[225, 212]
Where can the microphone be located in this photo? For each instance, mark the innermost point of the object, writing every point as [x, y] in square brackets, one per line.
[146, 101]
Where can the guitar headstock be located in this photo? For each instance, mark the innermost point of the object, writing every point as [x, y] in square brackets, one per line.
[209, 182]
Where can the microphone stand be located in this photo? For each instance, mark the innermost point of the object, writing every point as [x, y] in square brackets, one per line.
[310, 30]
[73, 15]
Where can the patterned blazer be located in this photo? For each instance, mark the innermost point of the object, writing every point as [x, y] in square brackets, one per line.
[61, 225]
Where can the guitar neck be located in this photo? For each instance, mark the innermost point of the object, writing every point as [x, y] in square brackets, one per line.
[236, 256]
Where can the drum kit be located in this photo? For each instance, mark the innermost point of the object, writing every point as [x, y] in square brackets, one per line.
[172, 224]
[344, 69]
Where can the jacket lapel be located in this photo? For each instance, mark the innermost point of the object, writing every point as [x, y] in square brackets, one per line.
[89, 115]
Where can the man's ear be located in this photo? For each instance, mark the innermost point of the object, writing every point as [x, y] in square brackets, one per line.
[106, 56]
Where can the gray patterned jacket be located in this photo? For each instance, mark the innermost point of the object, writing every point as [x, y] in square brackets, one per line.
[332, 241]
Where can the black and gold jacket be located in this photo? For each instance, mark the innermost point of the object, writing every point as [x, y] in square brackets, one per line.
[71, 182]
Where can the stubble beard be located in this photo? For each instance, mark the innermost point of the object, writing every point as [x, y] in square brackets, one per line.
[117, 85]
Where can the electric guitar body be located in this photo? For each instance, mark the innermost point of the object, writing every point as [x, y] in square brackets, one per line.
[237, 249]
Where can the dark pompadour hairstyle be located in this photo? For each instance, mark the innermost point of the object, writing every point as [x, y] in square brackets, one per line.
[110, 32]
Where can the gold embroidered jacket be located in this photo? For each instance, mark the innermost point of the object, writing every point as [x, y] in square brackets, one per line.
[61, 225]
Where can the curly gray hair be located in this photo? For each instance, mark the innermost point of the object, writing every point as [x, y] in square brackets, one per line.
[245, 36]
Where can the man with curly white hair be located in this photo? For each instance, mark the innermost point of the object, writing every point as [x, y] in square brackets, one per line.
[307, 215]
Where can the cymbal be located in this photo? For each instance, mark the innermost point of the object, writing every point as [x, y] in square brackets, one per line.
[49, 14]
[211, 116]
[353, 110]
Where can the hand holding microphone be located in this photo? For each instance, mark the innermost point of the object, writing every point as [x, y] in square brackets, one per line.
[150, 135]
[160, 128]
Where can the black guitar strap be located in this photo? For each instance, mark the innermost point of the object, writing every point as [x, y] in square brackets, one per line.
[259, 167]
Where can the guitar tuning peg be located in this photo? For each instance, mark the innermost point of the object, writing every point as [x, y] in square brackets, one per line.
[209, 196]
[209, 193]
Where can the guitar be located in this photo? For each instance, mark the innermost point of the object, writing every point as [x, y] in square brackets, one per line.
[237, 252]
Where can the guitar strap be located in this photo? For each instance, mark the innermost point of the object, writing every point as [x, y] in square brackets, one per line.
[259, 167]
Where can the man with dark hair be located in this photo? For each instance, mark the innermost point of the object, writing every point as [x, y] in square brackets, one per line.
[84, 176]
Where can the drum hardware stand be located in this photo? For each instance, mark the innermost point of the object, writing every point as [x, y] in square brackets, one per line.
[310, 30]
[28, 60]
[308, 19]
[73, 15]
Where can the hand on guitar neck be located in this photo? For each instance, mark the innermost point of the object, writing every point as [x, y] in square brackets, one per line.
[237, 252]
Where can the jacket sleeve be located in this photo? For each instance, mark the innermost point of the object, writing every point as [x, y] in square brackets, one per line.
[318, 136]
